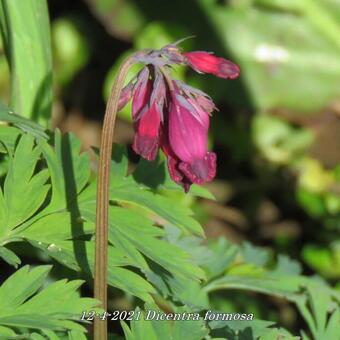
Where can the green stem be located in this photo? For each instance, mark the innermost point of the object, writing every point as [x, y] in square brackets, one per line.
[100, 267]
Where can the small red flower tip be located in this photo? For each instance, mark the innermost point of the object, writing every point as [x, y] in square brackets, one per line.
[204, 62]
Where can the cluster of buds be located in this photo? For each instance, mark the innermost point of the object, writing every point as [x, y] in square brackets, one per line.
[172, 115]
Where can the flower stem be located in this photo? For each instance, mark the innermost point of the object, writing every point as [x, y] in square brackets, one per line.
[102, 212]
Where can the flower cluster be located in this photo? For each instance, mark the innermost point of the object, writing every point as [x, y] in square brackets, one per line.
[172, 115]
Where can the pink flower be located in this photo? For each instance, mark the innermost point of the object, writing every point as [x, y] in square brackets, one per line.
[204, 62]
[186, 146]
[146, 118]
[172, 115]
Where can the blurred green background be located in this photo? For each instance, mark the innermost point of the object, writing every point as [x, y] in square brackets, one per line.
[277, 132]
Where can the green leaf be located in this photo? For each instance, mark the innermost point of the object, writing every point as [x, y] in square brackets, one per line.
[123, 13]
[189, 329]
[249, 329]
[6, 332]
[320, 312]
[147, 327]
[71, 48]
[69, 170]
[20, 286]
[128, 191]
[255, 255]
[8, 138]
[285, 265]
[278, 285]
[24, 191]
[54, 227]
[218, 255]
[26, 36]
[136, 236]
[10, 257]
[55, 307]
[79, 255]
[278, 141]
[175, 214]
[7, 115]
[295, 47]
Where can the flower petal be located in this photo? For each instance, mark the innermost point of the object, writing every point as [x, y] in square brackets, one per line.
[125, 95]
[147, 134]
[204, 62]
[188, 136]
[200, 170]
[142, 91]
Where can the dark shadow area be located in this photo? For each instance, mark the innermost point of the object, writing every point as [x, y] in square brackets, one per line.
[150, 174]
[227, 333]
[42, 107]
[72, 205]
[84, 92]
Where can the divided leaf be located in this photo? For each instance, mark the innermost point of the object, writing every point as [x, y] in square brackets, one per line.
[23, 191]
[56, 307]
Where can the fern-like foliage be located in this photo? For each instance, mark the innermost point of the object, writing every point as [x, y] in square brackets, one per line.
[53, 310]
[156, 251]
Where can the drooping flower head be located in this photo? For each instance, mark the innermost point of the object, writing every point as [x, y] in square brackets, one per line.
[172, 115]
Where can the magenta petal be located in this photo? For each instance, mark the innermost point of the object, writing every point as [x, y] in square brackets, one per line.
[147, 134]
[125, 96]
[176, 174]
[205, 62]
[201, 170]
[142, 92]
[188, 136]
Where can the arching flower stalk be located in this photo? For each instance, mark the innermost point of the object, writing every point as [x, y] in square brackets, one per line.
[168, 115]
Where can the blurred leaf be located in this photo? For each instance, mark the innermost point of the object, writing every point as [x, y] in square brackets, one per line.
[325, 260]
[158, 34]
[268, 283]
[285, 265]
[255, 255]
[26, 35]
[313, 177]
[214, 258]
[116, 14]
[71, 50]
[154, 329]
[8, 138]
[249, 329]
[8, 116]
[312, 202]
[10, 257]
[278, 141]
[322, 316]
[282, 66]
